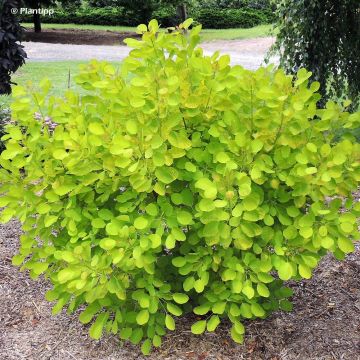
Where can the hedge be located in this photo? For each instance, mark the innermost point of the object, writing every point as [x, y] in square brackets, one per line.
[105, 16]
[233, 18]
[210, 18]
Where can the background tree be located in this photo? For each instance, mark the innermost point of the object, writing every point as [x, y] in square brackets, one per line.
[38, 4]
[324, 37]
[12, 54]
[143, 9]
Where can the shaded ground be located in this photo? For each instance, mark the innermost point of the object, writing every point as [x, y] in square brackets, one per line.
[325, 322]
[248, 53]
[79, 37]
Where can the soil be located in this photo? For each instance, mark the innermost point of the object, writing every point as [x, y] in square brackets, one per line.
[324, 324]
[79, 37]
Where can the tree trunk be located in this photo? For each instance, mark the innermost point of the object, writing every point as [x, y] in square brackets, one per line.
[37, 23]
[181, 9]
[36, 5]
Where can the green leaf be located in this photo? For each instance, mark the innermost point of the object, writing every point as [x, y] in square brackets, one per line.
[157, 341]
[60, 154]
[17, 260]
[327, 242]
[189, 283]
[222, 157]
[208, 188]
[251, 202]
[304, 271]
[40, 267]
[86, 316]
[146, 347]
[234, 310]
[98, 223]
[239, 327]
[257, 310]
[112, 229]
[166, 174]
[142, 317]
[347, 227]
[125, 333]
[152, 209]
[96, 129]
[212, 323]
[286, 305]
[186, 24]
[202, 309]
[248, 291]
[228, 274]
[285, 271]
[169, 322]
[238, 338]
[219, 307]
[198, 327]
[237, 286]
[131, 127]
[345, 245]
[153, 25]
[263, 290]
[180, 298]
[170, 242]
[179, 140]
[136, 336]
[256, 145]
[184, 218]
[178, 261]
[49, 220]
[96, 328]
[173, 309]
[141, 28]
[141, 223]
[107, 243]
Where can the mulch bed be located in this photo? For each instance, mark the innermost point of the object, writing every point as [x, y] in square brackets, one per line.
[79, 37]
[325, 322]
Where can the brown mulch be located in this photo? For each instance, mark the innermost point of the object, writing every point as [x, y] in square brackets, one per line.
[325, 322]
[79, 37]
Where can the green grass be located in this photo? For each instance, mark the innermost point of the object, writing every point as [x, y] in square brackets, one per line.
[235, 34]
[57, 72]
[206, 34]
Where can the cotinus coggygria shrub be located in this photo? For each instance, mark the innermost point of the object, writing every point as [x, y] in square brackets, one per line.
[178, 183]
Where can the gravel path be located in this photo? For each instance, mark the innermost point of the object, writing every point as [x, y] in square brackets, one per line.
[249, 53]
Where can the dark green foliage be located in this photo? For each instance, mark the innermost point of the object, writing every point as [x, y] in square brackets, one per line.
[237, 4]
[75, 4]
[12, 55]
[232, 18]
[324, 37]
[167, 15]
[102, 3]
[102, 16]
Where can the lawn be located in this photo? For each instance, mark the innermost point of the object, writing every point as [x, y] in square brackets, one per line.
[58, 72]
[236, 34]
[206, 34]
